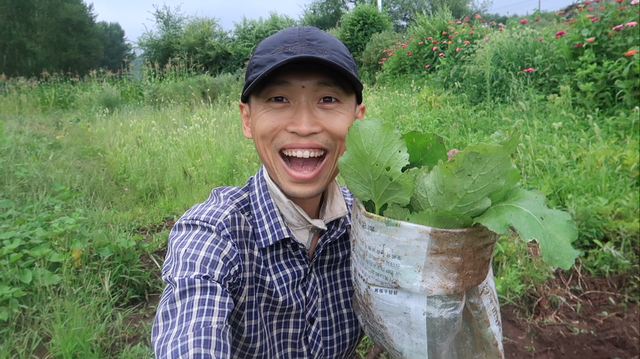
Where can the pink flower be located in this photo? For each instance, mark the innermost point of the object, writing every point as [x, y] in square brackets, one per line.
[430, 38]
[458, 49]
[486, 39]
[441, 54]
[421, 42]
[578, 45]
[477, 16]
[530, 69]
[500, 28]
[540, 38]
[403, 45]
[560, 33]
[427, 66]
[434, 42]
[384, 59]
[595, 19]
[409, 53]
[631, 23]
[634, 2]
[435, 48]
[591, 39]
[524, 21]
[617, 27]
[536, 19]
[466, 42]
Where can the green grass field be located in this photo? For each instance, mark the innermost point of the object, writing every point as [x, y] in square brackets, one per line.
[93, 174]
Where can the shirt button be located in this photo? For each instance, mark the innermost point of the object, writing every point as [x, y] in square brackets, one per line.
[312, 320]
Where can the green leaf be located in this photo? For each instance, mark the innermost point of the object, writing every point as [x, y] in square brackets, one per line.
[442, 219]
[398, 212]
[510, 181]
[425, 149]
[25, 276]
[46, 277]
[56, 257]
[532, 219]
[371, 166]
[464, 184]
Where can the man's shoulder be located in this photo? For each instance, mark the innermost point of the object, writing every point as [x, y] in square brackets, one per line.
[223, 202]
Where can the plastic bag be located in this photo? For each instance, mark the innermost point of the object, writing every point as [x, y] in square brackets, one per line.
[423, 292]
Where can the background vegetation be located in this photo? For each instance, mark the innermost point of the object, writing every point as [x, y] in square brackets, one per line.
[96, 165]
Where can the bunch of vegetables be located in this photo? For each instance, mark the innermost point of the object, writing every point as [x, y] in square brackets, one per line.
[408, 178]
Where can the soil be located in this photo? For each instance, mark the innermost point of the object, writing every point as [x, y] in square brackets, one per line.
[574, 316]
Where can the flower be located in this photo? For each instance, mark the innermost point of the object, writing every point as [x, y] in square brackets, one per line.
[477, 16]
[536, 19]
[540, 38]
[470, 32]
[483, 21]
[421, 42]
[500, 28]
[458, 49]
[590, 16]
[634, 2]
[601, 8]
[622, 8]
[560, 33]
[580, 44]
[589, 9]
[591, 39]
[441, 54]
[587, 2]
[427, 66]
[435, 48]
[530, 69]
[444, 33]
[451, 36]
[595, 19]
[384, 59]
[560, 12]
[617, 27]
[430, 37]
[466, 42]
[466, 19]
[631, 23]
[619, 1]
[486, 39]
[630, 52]
[434, 42]
[524, 21]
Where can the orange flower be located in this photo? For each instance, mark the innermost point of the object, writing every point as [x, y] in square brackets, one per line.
[630, 52]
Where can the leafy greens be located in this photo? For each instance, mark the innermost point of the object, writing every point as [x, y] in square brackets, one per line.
[409, 178]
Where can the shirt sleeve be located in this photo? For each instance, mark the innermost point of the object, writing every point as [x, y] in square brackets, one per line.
[192, 315]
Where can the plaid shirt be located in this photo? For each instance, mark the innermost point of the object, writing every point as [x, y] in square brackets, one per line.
[239, 285]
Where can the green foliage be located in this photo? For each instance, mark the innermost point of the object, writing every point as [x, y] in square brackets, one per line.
[374, 56]
[116, 52]
[359, 25]
[162, 43]
[478, 185]
[51, 36]
[323, 14]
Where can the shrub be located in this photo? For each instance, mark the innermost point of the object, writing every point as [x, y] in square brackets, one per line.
[359, 25]
[375, 54]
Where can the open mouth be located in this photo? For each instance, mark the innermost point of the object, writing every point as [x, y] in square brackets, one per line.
[303, 160]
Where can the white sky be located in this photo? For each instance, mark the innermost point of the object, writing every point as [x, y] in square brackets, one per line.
[133, 15]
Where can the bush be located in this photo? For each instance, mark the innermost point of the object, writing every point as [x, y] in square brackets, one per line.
[375, 54]
[359, 25]
[194, 90]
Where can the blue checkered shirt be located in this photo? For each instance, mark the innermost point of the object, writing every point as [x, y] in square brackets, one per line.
[238, 285]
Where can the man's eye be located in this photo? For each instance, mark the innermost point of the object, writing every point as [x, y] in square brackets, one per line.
[328, 99]
[278, 99]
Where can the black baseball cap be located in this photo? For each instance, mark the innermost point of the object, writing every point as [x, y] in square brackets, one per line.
[300, 44]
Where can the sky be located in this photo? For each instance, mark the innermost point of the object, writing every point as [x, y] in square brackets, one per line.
[134, 15]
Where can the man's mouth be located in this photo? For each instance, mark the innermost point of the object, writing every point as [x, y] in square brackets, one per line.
[303, 160]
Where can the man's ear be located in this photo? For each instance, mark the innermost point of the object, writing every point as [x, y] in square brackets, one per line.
[360, 110]
[245, 115]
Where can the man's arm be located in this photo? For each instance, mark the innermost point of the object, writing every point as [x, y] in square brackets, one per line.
[192, 316]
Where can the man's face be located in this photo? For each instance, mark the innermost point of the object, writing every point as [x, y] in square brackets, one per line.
[298, 124]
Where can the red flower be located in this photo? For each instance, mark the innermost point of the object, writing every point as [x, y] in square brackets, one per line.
[601, 8]
[477, 16]
[500, 28]
[524, 21]
[536, 19]
[591, 39]
[384, 59]
[530, 69]
[434, 41]
[619, 1]
[587, 2]
[444, 33]
[578, 45]
[470, 32]
[560, 12]
[409, 53]
[435, 48]
[595, 19]
[451, 36]
[427, 66]
[589, 9]
[630, 52]
[622, 8]
[483, 21]
[617, 27]
[560, 33]
[466, 19]
[540, 38]
[466, 42]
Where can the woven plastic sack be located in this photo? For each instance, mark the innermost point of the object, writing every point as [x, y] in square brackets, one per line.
[423, 292]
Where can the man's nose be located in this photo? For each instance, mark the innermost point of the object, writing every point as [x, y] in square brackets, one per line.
[305, 121]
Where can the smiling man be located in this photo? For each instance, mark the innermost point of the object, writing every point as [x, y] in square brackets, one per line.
[263, 270]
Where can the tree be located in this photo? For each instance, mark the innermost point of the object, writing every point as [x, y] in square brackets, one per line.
[115, 48]
[359, 25]
[403, 12]
[51, 35]
[205, 44]
[324, 14]
[161, 44]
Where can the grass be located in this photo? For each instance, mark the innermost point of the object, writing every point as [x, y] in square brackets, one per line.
[93, 171]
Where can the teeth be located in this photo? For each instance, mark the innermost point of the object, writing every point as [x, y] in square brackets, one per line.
[303, 153]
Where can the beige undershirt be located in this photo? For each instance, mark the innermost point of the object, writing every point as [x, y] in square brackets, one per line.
[301, 225]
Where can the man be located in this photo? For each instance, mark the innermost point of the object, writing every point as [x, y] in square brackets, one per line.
[263, 271]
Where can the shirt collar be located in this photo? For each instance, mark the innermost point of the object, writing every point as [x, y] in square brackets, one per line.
[269, 225]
